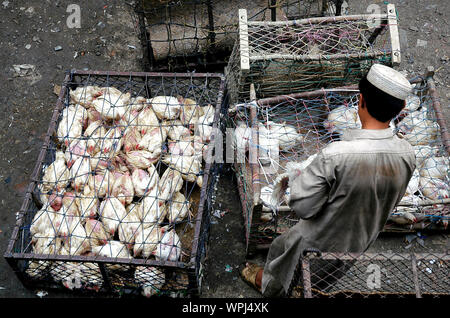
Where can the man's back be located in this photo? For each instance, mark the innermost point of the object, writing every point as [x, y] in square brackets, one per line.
[347, 193]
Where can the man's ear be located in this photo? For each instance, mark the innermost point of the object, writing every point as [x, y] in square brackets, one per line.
[361, 100]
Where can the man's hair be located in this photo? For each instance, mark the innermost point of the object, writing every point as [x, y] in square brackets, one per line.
[380, 105]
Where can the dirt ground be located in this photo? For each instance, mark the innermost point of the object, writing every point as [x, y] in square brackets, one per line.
[30, 30]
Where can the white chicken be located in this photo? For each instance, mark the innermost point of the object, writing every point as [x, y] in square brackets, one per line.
[112, 212]
[131, 139]
[165, 107]
[150, 278]
[95, 133]
[342, 118]
[84, 95]
[181, 148]
[175, 130]
[152, 141]
[77, 149]
[112, 142]
[170, 182]
[177, 208]
[417, 129]
[96, 233]
[71, 125]
[145, 181]
[287, 135]
[113, 249]
[56, 175]
[169, 248]
[151, 210]
[423, 152]
[123, 189]
[43, 221]
[207, 117]
[145, 120]
[76, 241]
[47, 244]
[412, 103]
[141, 159]
[434, 189]
[129, 227]
[268, 145]
[241, 140]
[436, 167]
[80, 172]
[88, 203]
[188, 166]
[101, 184]
[403, 216]
[204, 132]
[69, 202]
[112, 103]
[293, 169]
[147, 239]
[190, 111]
[99, 164]
[413, 185]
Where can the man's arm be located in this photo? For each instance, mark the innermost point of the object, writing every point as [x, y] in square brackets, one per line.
[309, 191]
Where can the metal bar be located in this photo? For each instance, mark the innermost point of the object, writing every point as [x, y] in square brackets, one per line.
[438, 109]
[207, 172]
[319, 20]
[143, 74]
[105, 276]
[393, 31]
[254, 149]
[366, 256]
[339, 7]
[320, 92]
[319, 57]
[306, 275]
[273, 10]
[211, 34]
[415, 277]
[244, 50]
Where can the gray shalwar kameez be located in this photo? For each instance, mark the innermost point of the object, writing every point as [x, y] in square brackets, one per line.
[343, 198]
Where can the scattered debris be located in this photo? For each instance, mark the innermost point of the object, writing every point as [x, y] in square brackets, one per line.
[28, 46]
[55, 30]
[58, 48]
[228, 268]
[421, 43]
[1, 288]
[23, 70]
[5, 4]
[413, 28]
[8, 180]
[56, 89]
[131, 47]
[41, 293]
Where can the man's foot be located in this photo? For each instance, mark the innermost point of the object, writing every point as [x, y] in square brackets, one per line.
[252, 275]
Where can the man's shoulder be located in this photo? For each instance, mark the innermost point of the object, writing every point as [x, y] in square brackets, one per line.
[392, 145]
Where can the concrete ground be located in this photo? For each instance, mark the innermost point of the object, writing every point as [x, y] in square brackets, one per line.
[107, 40]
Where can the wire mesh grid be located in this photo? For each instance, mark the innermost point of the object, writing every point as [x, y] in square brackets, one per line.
[121, 189]
[284, 57]
[381, 275]
[199, 34]
[291, 129]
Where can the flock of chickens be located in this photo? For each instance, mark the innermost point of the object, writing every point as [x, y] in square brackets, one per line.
[430, 180]
[103, 195]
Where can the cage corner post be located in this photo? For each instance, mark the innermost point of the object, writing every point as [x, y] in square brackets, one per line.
[244, 50]
[393, 31]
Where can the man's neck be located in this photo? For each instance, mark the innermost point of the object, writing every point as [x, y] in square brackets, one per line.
[374, 124]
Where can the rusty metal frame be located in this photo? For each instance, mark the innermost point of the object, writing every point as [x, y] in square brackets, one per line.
[303, 267]
[12, 257]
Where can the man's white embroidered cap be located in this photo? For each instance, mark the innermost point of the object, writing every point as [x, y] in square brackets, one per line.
[389, 81]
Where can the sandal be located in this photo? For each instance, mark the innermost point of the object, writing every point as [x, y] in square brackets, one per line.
[248, 274]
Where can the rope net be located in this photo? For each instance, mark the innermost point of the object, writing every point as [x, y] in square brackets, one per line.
[191, 33]
[300, 55]
[292, 129]
[121, 179]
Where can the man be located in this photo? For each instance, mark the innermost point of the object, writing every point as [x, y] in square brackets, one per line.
[346, 194]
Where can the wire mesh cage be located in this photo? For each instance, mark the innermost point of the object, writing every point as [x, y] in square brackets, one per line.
[371, 275]
[200, 34]
[120, 196]
[272, 133]
[284, 57]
